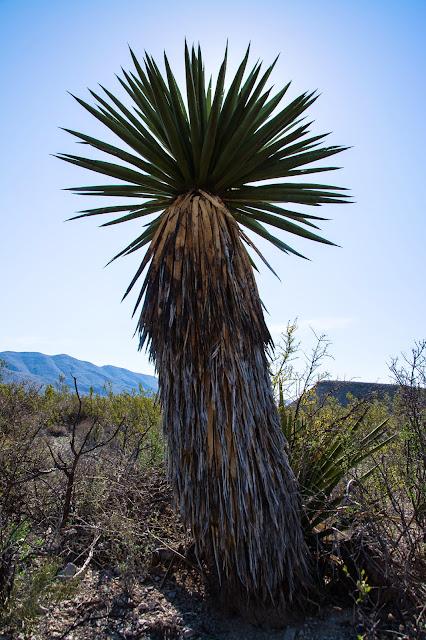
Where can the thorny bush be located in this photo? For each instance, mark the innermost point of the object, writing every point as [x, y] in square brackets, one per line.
[362, 475]
[81, 476]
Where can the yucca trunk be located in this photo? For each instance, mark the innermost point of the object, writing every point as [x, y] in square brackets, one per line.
[201, 315]
[203, 318]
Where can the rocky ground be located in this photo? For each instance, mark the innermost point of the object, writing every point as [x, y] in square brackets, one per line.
[105, 606]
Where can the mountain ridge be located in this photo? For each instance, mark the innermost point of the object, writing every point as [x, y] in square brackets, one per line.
[41, 369]
[339, 389]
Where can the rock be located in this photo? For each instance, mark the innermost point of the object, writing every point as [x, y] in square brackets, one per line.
[162, 555]
[290, 633]
[189, 633]
[68, 572]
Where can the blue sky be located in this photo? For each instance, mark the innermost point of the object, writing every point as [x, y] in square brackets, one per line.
[367, 59]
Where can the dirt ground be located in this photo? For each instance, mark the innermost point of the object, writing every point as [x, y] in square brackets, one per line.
[104, 606]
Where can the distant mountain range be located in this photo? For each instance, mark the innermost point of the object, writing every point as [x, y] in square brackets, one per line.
[43, 370]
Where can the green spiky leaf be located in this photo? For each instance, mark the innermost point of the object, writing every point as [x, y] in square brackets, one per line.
[223, 142]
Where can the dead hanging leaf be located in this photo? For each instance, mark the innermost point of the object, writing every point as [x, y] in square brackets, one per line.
[225, 447]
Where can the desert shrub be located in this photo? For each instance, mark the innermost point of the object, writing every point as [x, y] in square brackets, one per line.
[80, 476]
[328, 444]
[391, 537]
[361, 469]
[410, 410]
[140, 439]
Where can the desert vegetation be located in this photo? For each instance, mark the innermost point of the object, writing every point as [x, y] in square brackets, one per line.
[207, 166]
[286, 498]
[84, 487]
[82, 480]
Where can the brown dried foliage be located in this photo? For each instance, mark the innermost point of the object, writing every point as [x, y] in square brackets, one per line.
[203, 319]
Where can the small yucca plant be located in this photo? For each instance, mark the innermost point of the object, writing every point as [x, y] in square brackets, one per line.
[322, 469]
[195, 162]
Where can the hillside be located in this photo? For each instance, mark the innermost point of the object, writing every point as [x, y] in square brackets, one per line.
[42, 369]
[339, 389]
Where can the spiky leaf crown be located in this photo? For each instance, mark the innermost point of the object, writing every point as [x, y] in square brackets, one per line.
[223, 142]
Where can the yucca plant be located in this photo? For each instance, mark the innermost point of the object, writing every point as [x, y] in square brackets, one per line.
[193, 161]
[321, 468]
